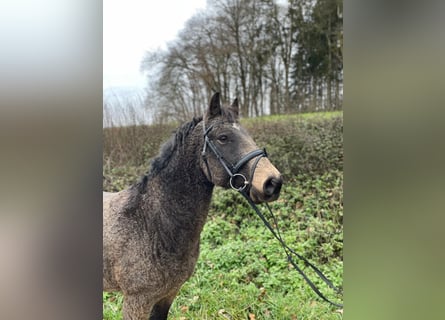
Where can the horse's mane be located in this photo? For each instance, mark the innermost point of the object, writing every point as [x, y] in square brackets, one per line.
[174, 143]
[168, 148]
[166, 152]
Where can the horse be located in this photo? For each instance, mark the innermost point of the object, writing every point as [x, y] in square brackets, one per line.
[151, 230]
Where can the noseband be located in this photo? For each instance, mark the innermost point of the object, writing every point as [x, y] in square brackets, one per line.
[231, 169]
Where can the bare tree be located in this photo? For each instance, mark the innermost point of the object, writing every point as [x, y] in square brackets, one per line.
[274, 58]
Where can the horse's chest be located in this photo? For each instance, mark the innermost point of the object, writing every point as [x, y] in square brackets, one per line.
[182, 266]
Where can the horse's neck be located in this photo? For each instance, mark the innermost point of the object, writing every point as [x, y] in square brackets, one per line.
[183, 191]
[180, 194]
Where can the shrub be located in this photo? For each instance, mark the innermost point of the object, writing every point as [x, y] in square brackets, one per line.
[296, 145]
[302, 145]
[134, 145]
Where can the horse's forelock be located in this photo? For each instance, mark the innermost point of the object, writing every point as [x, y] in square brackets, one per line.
[227, 115]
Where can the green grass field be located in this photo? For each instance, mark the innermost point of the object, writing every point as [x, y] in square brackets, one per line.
[242, 272]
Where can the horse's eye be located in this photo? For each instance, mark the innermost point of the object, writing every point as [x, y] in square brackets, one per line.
[223, 138]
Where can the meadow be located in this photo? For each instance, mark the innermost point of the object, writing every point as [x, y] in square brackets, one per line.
[242, 272]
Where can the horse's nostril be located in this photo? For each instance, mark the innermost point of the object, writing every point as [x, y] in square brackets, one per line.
[272, 186]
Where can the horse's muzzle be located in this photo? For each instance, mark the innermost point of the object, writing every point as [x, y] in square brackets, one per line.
[270, 190]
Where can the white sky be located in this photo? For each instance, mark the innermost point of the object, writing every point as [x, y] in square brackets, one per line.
[132, 27]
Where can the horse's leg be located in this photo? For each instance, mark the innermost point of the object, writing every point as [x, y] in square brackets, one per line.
[160, 309]
[136, 307]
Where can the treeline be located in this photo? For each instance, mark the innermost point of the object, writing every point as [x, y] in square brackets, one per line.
[277, 58]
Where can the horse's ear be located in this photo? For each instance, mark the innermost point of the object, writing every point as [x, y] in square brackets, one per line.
[235, 108]
[214, 107]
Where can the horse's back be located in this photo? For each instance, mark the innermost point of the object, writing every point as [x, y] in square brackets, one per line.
[107, 196]
[113, 237]
[115, 204]
[114, 201]
[110, 205]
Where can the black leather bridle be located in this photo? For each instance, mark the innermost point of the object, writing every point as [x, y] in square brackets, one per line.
[231, 169]
[233, 172]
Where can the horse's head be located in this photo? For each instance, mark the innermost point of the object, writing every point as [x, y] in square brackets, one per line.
[231, 159]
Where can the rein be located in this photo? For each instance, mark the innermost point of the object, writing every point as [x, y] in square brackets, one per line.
[232, 170]
[289, 252]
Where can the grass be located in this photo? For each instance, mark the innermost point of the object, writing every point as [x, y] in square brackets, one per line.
[242, 272]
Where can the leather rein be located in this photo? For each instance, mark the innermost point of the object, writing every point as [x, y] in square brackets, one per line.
[240, 186]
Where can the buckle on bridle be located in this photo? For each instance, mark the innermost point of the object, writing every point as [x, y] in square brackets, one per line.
[243, 184]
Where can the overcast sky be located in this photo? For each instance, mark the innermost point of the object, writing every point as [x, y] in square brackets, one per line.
[132, 27]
